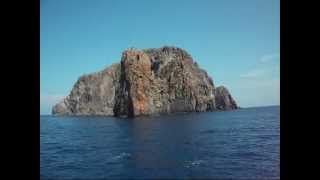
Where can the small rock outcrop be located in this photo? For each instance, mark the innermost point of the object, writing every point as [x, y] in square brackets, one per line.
[223, 99]
[145, 82]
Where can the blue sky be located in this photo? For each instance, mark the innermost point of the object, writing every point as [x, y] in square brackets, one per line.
[236, 42]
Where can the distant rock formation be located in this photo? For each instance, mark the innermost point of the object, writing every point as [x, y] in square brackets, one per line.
[145, 82]
[224, 100]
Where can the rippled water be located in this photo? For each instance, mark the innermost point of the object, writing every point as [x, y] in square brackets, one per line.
[240, 144]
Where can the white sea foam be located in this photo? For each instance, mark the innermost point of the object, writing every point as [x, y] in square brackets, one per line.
[194, 163]
[123, 156]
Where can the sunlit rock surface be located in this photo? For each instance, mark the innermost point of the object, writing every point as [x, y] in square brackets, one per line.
[146, 82]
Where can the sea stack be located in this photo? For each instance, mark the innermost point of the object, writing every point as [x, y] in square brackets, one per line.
[145, 82]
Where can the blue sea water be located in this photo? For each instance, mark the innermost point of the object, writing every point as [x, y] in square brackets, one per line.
[239, 144]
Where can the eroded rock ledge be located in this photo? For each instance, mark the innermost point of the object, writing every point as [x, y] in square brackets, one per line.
[145, 82]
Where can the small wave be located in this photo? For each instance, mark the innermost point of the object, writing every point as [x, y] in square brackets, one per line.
[195, 163]
[123, 156]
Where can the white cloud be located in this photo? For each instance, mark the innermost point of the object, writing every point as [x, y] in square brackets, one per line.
[264, 68]
[260, 85]
[269, 57]
[257, 92]
[254, 73]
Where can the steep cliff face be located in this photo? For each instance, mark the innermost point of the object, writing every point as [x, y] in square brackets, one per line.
[92, 94]
[223, 99]
[149, 81]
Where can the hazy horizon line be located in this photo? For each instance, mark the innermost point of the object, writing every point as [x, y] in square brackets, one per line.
[207, 111]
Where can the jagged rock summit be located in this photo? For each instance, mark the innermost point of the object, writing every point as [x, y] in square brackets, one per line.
[145, 82]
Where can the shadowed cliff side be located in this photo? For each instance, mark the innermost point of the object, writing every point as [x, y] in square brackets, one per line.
[149, 81]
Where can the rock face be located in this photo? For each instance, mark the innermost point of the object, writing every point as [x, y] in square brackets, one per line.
[224, 100]
[92, 94]
[149, 81]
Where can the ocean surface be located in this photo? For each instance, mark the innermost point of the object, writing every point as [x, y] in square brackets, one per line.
[239, 144]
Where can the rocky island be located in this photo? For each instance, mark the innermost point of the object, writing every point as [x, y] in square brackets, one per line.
[146, 82]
